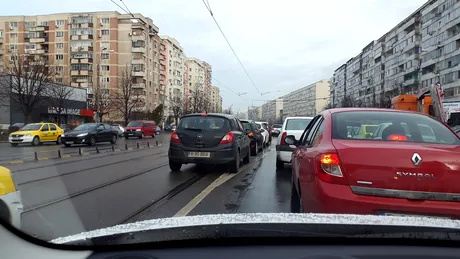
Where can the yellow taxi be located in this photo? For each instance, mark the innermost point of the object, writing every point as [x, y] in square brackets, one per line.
[36, 133]
[11, 207]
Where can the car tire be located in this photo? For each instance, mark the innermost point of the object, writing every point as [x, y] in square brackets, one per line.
[235, 164]
[36, 141]
[261, 147]
[295, 201]
[279, 164]
[58, 141]
[175, 167]
[142, 136]
[114, 140]
[14, 144]
[255, 150]
[153, 135]
[248, 155]
[92, 141]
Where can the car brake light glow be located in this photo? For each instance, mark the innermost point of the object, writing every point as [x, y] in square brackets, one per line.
[175, 137]
[328, 169]
[251, 134]
[204, 115]
[228, 138]
[397, 137]
[283, 137]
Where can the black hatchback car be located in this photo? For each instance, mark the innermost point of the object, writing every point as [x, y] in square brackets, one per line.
[209, 139]
[255, 134]
[90, 133]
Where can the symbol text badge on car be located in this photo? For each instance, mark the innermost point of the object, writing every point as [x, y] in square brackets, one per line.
[199, 136]
[416, 159]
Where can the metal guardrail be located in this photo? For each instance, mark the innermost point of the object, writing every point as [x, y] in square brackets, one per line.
[73, 152]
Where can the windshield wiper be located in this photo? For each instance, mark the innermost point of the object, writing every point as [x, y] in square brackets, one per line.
[192, 129]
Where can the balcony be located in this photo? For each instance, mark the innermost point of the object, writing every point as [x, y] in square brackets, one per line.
[139, 86]
[81, 60]
[80, 73]
[138, 73]
[138, 50]
[82, 37]
[36, 52]
[39, 28]
[138, 61]
[81, 49]
[162, 72]
[138, 37]
[81, 85]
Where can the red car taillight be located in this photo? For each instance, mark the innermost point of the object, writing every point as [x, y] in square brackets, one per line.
[397, 137]
[283, 137]
[328, 169]
[175, 137]
[228, 138]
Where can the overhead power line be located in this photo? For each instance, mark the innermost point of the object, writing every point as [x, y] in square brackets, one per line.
[227, 87]
[208, 6]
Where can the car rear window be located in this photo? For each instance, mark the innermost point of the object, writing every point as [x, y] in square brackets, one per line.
[297, 124]
[400, 126]
[204, 123]
[246, 125]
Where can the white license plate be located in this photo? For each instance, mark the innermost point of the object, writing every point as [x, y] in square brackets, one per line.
[69, 142]
[199, 154]
[409, 215]
[16, 138]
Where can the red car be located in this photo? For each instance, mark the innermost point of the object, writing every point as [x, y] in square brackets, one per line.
[140, 129]
[409, 165]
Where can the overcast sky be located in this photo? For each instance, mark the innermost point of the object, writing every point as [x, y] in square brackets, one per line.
[284, 45]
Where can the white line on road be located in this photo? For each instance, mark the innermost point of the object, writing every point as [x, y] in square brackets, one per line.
[218, 182]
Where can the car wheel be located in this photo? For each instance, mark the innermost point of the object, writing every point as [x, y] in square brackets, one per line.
[58, 141]
[142, 136]
[246, 158]
[235, 164]
[14, 144]
[255, 150]
[92, 141]
[174, 166]
[114, 139]
[153, 135]
[36, 141]
[279, 164]
[295, 200]
[261, 147]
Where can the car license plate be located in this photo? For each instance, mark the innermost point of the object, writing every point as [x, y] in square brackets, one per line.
[16, 138]
[411, 215]
[69, 142]
[199, 154]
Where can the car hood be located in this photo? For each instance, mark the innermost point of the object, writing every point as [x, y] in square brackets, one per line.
[133, 128]
[262, 218]
[76, 132]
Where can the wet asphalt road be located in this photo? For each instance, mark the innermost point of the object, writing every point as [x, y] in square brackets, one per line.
[77, 194]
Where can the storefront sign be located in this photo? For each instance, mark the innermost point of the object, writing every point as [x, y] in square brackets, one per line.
[54, 110]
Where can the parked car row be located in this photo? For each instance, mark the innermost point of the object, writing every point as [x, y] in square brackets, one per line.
[87, 133]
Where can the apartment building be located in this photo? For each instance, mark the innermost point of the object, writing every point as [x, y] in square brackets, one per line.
[338, 86]
[272, 111]
[175, 68]
[420, 51]
[86, 46]
[353, 76]
[308, 100]
[215, 99]
[207, 75]
[196, 74]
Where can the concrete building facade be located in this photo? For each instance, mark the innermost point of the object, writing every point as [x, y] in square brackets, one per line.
[272, 111]
[308, 100]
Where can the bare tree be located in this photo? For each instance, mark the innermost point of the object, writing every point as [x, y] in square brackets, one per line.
[328, 106]
[176, 105]
[199, 101]
[29, 78]
[347, 101]
[229, 110]
[58, 98]
[128, 98]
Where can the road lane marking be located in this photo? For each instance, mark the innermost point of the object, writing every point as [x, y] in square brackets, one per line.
[43, 158]
[203, 194]
[66, 156]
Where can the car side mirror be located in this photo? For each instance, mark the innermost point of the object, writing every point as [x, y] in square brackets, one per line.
[290, 140]
[247, 131]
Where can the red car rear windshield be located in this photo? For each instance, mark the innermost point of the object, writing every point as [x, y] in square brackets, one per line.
[397, 126]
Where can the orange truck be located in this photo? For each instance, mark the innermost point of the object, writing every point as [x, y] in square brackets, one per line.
[429, 102]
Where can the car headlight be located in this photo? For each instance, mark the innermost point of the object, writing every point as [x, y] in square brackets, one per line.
[82, 135]
[138, 129]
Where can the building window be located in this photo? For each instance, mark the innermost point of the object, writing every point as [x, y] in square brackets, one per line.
[60, 57]
[59, 80]
[105, 68]
[59, 22]
[105, 80]
[105, 55]
[105, 32]
[105, 20]
[14, 25]
[105, 44]
[59, 45]
[60, 70]
[59, 34]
